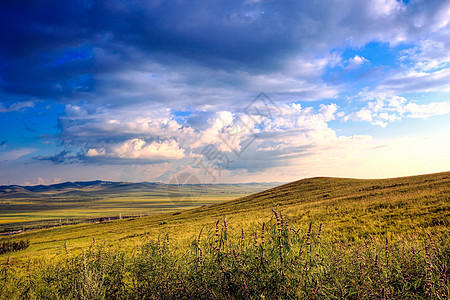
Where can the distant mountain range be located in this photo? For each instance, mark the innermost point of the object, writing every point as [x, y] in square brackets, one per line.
[99, 187]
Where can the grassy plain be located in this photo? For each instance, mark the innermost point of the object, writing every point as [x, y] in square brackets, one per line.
[52, 206]
[317, 238]
[349, 209]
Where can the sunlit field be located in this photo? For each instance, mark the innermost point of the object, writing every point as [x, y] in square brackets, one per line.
[318, 237]
[68, 206]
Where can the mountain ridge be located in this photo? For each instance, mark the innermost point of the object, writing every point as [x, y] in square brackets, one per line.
[101, 186]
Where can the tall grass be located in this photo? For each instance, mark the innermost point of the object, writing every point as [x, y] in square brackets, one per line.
[274, 261]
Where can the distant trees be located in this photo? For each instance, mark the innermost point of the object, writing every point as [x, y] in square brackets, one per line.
[10, 246]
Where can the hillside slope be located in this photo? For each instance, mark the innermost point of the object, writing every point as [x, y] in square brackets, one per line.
[350, 208]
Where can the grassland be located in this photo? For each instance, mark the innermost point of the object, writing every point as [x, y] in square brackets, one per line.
[69, 203]
[350, 209]
[369, 217]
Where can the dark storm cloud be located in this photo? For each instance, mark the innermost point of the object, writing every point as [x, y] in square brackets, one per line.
[37, 36]
[66, 157]
[62, 157]
[76, 50]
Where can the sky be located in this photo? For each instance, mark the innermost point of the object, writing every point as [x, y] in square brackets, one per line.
[227, 91]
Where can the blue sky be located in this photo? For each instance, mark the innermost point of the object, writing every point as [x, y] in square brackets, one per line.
[145, 90]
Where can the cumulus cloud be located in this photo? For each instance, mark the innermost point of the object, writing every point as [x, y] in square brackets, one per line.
[96, 152]
[140, 149]
[356, 61]
[328, 111]
[149, 136]
[385, 110]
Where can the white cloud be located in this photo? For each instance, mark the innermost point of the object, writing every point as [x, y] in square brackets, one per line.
[140, 150]
[73, 110]
[423, 111]
[297, 129]
[127, 134]
[328, 111]
[96, 152]
[442, 17]
[424, 67]
[429, 55]
[414, 81]
[16, 106]
[387, 109]
[356, 61]
[80, 128]
[364, 115]
[383, 8]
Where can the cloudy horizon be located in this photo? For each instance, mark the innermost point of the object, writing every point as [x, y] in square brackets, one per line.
[230, 91]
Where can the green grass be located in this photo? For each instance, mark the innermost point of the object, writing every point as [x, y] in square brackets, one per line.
[275, 261]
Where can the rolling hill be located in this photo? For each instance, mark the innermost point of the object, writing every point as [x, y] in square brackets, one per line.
[349, 208]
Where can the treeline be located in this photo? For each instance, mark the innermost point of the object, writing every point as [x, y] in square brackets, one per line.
[10, 246]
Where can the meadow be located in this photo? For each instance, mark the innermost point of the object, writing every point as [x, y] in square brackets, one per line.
[324, 238]
[72, 203]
